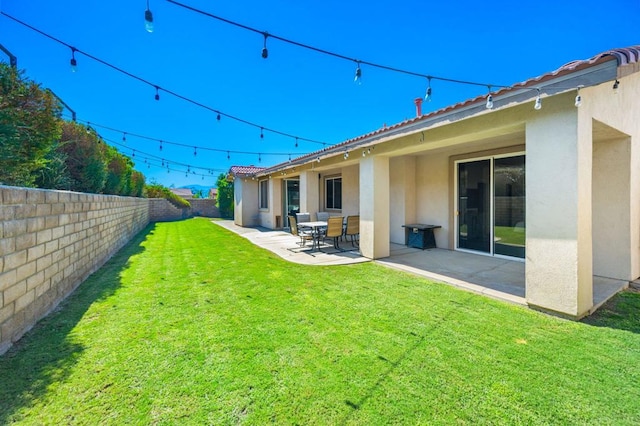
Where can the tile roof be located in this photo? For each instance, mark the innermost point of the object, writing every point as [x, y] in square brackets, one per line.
[245, 170]
[624, 56]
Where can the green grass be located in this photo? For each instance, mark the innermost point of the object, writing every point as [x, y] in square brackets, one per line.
[509, 235]
[191, 324]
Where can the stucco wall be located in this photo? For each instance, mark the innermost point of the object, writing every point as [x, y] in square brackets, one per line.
[350, 191]
[245, 211]
[50, 241]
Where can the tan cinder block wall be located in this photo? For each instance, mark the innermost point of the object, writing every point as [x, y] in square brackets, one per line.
[161, 210]
[51, 241]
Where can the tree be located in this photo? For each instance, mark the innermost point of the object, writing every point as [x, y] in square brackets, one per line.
[29, 127]
[86, 157]
[224, 202]
[119, 168]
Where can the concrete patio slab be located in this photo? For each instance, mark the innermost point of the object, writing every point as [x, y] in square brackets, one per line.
[499, 278]
[287, 246]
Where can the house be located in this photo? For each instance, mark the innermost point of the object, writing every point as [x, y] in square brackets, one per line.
[547, 173]
[213, 193]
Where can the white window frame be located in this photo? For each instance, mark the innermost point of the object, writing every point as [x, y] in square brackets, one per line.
[263, 194]
[326, 192]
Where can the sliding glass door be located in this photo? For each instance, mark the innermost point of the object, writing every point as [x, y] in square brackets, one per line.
[474, 214]
[491, 205]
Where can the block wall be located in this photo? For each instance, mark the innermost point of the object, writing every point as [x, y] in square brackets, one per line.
[161, 210]
[50, 242]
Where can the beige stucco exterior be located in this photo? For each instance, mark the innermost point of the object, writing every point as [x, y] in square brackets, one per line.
[582, 182]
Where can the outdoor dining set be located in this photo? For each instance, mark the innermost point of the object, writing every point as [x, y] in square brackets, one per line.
[325, 227]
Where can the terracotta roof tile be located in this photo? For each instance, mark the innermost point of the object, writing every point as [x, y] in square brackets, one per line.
[245, 170]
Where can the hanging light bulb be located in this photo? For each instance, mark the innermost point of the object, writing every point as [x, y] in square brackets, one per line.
[427, 96]
[160, 145]
[358, 76]
[73, 62]
[133, 153]
[265, 52]
[195, 151]
[228, 156]
[259, 158]
[364, 153]
[261, 133]
[218, 117]
[578, 101]
[538, 104]
[157, 97]
[489, 104]
[296, 141]
[318, 159]
[346, 155]
[148, 19]
[616, 84]
[124, 137]
[88, 127]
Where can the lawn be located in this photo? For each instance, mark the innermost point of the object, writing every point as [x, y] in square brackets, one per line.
[191, 324]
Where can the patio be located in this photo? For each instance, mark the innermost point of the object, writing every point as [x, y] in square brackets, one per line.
[494, 277]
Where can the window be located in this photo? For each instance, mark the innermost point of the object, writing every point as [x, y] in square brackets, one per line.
[264, 194]
[333, 193]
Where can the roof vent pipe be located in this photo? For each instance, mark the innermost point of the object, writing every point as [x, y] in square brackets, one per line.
[418, 102]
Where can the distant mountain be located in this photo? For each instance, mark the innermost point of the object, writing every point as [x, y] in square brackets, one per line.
[204, 190]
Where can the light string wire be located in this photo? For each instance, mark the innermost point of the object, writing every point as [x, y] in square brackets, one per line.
[159, 88]
[204, 148]
[335, 55]
[162, 163]
[359, 62]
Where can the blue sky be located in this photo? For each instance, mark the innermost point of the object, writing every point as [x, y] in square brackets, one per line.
[294, 91]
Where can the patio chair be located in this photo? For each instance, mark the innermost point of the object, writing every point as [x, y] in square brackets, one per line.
[334, 230]
[304, 234]
[322, 216]
[303, 217]
[353, 229]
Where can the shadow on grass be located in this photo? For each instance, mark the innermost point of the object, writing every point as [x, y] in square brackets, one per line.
[45, 354]
[620, 312]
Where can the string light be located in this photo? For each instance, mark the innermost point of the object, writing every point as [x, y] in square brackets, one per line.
[578, 100]
[177, 95]
[616, 84]
[261, 133]
[296, 142]
[157, 97]
[265, 52]
[346, 155]
[73, 62]
[148, 19]
[203, 148]
[427, 96]
[228, 156]
[124, 137]
[358, 77]
[195, 152]
[326, 52]
[489, 104]
[259, 158]
[538, 104]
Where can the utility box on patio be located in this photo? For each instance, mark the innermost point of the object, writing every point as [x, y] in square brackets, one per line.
[419, 235]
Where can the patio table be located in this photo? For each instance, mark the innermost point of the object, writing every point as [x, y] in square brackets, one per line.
[315, 228]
